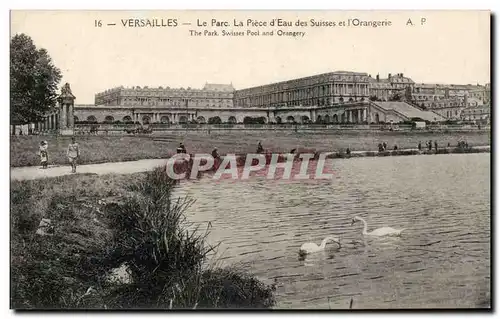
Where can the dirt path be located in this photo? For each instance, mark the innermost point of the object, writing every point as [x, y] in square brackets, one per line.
[35, 172]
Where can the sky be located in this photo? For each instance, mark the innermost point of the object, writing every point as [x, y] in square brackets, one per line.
[450, 47]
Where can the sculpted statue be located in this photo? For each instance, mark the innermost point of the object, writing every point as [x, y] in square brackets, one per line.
[66, 89]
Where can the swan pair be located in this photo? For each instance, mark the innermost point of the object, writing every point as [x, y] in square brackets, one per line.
[379, 232]
[309, 248]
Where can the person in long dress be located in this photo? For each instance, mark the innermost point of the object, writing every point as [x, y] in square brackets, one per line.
[73, 154]
[44, 154]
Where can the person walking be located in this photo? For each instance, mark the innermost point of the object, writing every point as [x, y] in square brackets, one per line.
[44, 154]
[420, 146]
[436, 146]
[73, 154]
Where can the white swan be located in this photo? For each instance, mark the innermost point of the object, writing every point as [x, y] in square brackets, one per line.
[383, 231]
[309, 248]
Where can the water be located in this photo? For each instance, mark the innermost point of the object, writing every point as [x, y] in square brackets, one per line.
[442, 260]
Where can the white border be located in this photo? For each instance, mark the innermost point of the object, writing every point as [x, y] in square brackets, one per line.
[6, 5]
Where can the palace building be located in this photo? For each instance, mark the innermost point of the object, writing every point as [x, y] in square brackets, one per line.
[385, 89]
[328, 98]
[320, 90]
[212, 95]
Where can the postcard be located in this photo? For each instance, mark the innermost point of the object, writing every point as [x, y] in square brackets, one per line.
[324, 160]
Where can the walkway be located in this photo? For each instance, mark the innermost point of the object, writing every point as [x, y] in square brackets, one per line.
[35, 172]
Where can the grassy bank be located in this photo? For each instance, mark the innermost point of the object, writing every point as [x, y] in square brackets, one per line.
[101, 223]
[99, 149]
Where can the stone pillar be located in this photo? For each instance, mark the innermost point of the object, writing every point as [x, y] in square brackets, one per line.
[62, 121]
[66, 102]
[360, 115]
[71, 116]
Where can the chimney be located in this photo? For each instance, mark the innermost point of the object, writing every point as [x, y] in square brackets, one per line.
[378, 77]
[389, 76]
[402, 75]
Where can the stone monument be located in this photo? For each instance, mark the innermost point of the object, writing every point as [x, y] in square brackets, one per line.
[66, 111]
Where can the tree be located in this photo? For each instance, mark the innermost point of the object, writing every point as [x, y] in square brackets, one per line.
[33, 81]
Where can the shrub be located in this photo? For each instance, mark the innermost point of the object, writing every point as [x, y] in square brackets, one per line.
[167, 256]
[147, 230]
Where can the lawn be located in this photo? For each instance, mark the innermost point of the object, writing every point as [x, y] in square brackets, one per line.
[99, 223]
[99, 149]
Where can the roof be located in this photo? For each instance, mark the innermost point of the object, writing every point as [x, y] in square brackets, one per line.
[218, 87]
[400, 79]
[410, 111]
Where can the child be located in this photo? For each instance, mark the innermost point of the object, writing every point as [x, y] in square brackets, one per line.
[73, 153]
[44, 155]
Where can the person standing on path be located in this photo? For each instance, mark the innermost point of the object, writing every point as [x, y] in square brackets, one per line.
[73, 153]
[436, 146]
[44, 154]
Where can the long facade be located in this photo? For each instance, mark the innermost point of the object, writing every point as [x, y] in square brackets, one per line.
[339, 97]
[212, 95]
[318, 90]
